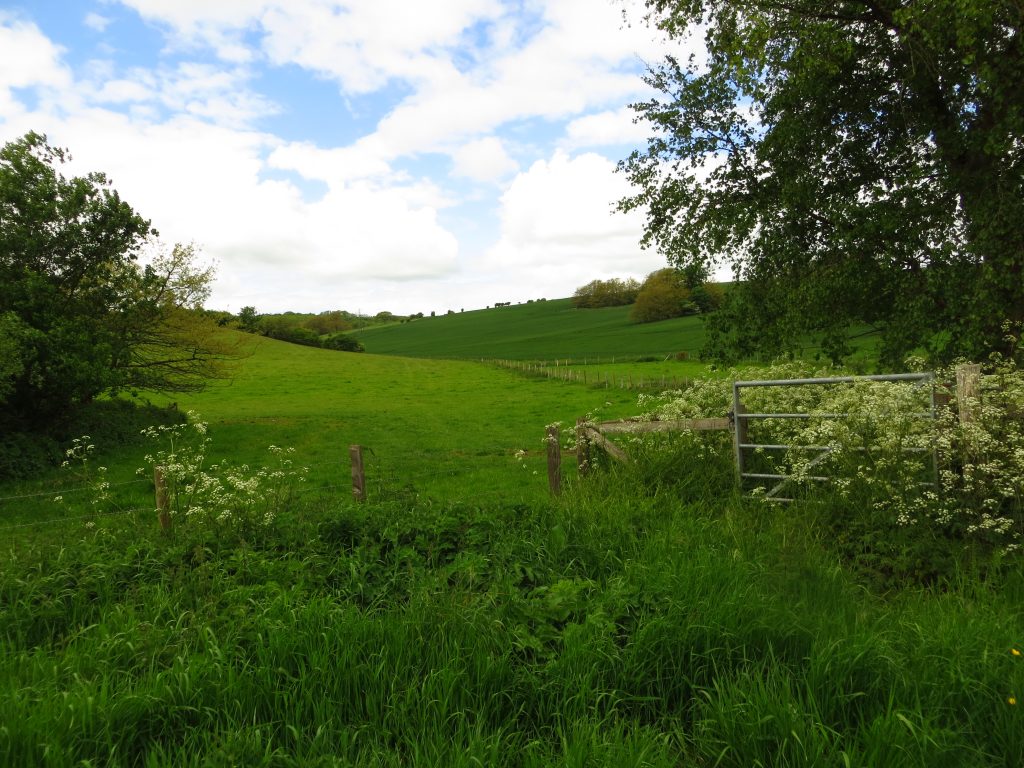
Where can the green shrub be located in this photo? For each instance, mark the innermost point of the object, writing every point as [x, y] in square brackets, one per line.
[23, 455]
[343, 342]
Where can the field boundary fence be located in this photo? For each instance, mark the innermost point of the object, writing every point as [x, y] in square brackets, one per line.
[575, 372]
[591, 435]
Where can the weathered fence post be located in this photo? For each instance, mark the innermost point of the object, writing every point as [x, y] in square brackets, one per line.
[582, 447]
[355, 453]
[968, 387]
[163, 499]
[554, 442]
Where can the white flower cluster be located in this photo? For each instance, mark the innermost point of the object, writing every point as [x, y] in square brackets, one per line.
[78, 460]
[230, 498]
[943, 471]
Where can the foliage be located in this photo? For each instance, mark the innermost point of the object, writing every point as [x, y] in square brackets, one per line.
[342, 342]
[612, 628]
[858, 163]
[248, 319]
[89, 319]
[287, 329]
[606, 293]
[234, 502]
[664, 295]
[11, 350]
[882, 459]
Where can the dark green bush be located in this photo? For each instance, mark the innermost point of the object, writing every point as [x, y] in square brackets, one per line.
[343, 343]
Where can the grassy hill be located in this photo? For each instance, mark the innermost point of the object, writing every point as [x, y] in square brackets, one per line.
[543, 330]
[648, 616]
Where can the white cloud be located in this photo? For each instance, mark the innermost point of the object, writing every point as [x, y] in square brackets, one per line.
[557, 220]
[30, 58]
[608, 128]
[96, 22]
[179, 138]
[220, 95]
[483, 160]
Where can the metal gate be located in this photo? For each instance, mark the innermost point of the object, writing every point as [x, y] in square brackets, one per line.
[741, 420]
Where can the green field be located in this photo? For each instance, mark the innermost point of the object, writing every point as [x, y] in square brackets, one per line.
[463, 616]
[542, 330]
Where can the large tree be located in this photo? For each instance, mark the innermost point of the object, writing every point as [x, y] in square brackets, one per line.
[858, 162]
[78, 315]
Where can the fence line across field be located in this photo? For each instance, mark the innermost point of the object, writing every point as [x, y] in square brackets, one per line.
[589, 435]
[599, 379]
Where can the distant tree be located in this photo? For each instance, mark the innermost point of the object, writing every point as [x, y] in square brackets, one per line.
[88, 319]
[331, 321]
[662, 296]
[249, 319]
[708, 297]
[606, 293]
[343, 342]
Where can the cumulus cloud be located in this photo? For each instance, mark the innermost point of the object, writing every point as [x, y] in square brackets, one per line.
[608, 128]
[557, 217]
[483, 160]
[470, 85]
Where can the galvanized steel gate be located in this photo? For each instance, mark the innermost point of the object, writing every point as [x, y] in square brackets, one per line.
[741, 420]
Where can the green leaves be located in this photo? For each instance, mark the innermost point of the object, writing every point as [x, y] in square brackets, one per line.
[87, 320]
[856, 163]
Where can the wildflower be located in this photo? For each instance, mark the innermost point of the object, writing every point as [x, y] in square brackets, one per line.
[1015, 652]
[1012, 701]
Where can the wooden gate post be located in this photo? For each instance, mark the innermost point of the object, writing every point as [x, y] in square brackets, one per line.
[554, 442]
[163, 499]
[355, 453]
[968, 388]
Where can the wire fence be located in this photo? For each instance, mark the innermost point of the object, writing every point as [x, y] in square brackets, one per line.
[442, 476]
[570, 371]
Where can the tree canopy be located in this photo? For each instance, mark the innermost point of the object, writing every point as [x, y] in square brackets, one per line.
[662, 296]
[606, 293]
[79, 316]
[857, 162]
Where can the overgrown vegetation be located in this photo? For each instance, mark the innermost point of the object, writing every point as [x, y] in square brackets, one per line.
[907, 496]
[649, 619]
[857, 162]
[80, 317]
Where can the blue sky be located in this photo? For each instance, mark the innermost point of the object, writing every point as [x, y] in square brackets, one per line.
[351, 154]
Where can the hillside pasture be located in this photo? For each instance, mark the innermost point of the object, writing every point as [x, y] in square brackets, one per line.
[649, 616]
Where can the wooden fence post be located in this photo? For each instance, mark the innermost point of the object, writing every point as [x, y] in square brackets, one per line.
[968, 389]
[163, 499]
[355, 453]
[554, 442]
[582, 447]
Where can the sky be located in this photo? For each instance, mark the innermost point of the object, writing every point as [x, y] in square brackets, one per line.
[366, 155]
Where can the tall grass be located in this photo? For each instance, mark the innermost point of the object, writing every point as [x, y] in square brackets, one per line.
[647, 617]
[619, 625]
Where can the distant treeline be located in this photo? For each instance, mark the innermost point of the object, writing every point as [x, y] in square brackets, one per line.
[326, 330]
[663, 295]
